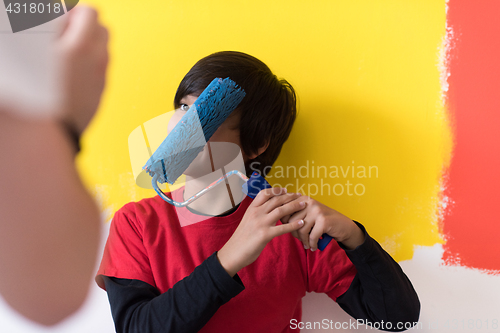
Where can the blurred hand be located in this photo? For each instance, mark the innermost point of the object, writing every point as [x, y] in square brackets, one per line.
[82, 47]
[258, 227]
[319, 219]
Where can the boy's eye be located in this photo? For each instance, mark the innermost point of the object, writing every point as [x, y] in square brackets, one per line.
[184, 107]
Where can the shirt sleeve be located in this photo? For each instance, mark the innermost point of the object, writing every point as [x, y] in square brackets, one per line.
[380, 291]
[124, 254]
[329, 271]
[137, 306]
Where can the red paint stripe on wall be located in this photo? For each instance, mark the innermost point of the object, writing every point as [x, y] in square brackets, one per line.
[472, 228]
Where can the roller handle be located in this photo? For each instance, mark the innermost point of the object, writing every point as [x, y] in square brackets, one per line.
[256, 183]
[323, 241]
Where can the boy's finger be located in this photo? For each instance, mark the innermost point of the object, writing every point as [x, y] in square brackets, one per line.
[314, 236]
[286, 228]
[303, 233]
[286, 209]
[266, 194]
[294, 217]
[280, 200]
[285, 219]
[297, 215]
[300, 215]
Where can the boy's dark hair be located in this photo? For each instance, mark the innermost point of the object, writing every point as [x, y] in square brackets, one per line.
[267, 112]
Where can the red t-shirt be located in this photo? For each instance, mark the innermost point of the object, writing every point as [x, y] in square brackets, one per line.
[146, 242]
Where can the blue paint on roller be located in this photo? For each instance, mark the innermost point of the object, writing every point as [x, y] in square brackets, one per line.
[192, 132]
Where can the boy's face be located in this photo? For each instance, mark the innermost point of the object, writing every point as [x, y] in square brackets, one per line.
[223, 143]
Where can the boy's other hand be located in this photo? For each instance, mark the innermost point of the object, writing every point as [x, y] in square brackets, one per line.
[258, 227]
[83, 50]
[319, 219]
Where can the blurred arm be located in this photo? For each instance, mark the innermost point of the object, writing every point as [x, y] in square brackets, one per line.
[49, 225]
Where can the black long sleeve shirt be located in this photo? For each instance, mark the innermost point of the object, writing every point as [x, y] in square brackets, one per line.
[380, 292]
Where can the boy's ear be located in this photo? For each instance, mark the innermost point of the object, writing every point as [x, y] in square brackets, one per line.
[260, 151]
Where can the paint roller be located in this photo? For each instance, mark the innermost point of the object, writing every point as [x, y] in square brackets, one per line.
[190, 135]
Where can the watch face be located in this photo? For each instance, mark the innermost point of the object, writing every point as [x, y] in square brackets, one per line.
[28, 66]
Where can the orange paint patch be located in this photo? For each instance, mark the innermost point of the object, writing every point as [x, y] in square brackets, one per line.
[472, 228]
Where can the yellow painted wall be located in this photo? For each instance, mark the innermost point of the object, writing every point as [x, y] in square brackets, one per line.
[367, 78]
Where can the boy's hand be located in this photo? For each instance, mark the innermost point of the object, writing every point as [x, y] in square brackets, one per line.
[258, 227]
[319, 219]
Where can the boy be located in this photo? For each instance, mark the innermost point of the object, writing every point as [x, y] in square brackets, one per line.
[240, 271]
